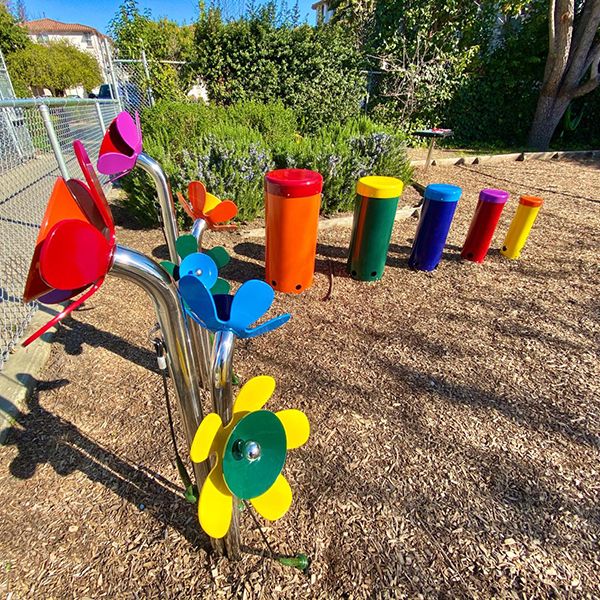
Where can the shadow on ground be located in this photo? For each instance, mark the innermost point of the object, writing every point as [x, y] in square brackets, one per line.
[45, 438]
[74, 334]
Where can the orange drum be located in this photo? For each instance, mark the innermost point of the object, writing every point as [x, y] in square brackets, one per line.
[292, 205]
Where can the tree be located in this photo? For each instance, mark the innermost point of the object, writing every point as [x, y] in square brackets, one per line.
[12, 36]
[418, 52]
[134, 31]
[571, 66]
[56, 66]
[21, 11]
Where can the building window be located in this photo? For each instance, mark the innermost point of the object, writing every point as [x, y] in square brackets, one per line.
[43, 38]
[87, 39]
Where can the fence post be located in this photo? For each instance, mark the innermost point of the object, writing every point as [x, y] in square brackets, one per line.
[60, 159]
[111, 66]
[100, 117]
[147, 70]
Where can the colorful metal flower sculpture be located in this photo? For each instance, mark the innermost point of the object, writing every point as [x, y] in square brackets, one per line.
[77, 217]
[187, 248]
[226, 312]
[203, 205]
[250, 454]
[121, 145]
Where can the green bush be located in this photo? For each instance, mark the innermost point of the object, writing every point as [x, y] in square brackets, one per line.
[343, 154]
[231, 148]
[496, 103]
[314, 70]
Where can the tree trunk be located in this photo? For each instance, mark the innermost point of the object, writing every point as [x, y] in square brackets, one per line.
[571, 55]
[548, 114]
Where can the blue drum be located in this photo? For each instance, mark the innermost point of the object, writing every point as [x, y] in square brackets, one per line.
[436, 216]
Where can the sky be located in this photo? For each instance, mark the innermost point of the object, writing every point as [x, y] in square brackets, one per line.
[98, 13]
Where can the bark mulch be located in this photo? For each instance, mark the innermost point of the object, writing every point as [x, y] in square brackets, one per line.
[455, 426]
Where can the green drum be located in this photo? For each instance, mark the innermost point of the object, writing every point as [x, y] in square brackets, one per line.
[374, 213]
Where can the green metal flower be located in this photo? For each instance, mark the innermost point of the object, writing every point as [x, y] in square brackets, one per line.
[187, 246]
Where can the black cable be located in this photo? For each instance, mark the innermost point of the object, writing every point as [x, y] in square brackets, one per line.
[299, 561]
[262, 533]
[191, 492]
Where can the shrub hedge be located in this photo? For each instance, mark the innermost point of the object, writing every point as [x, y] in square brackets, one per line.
[317, 71]
[231, 148]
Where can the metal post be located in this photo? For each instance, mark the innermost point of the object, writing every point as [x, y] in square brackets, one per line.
[155, 281]
[200, 337]
[198, 228]
[147, 71]
[132, 266]
[165, 200]
[117, 95]
[60, 159]
[100, 117]
[222, 397]
[429, 153]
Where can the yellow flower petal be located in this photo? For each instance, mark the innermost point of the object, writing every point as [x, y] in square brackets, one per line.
[276, 501]
[205, 436]
[215, 504]
[210, 202]
[296, 425]
[254, 394]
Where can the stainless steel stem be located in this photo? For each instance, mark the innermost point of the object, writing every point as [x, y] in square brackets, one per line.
[198, 229]
[199, 337]
[222, 397]
[155, 281]
[165, 200]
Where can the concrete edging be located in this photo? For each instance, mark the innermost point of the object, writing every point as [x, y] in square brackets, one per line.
[20, 373]
[514, 156]
[404, 212]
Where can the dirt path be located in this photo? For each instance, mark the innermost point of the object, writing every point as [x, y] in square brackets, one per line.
[455, 427]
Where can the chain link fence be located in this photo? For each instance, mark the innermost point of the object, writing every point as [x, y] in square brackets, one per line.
[134, 86]
[140, 82]
[36, 137]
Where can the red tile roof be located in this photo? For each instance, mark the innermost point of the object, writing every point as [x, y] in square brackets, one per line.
[52, 26]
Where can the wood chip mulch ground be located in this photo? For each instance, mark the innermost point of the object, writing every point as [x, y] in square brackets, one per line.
[455, 426]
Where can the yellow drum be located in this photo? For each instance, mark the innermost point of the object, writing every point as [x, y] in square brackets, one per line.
[518, 232]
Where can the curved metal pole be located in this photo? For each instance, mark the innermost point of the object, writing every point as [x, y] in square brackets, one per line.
[133, 266]
[198, 229]
[200, 338]
[222, 397]
[165, 200]
[155, 281]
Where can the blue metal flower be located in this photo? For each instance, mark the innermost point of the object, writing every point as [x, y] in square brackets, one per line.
[187, 249]
[226, 312]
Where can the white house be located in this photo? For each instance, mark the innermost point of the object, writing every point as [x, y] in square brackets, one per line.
[83, 37]
[323, 10]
